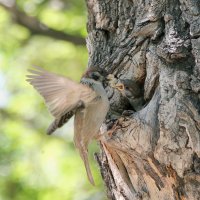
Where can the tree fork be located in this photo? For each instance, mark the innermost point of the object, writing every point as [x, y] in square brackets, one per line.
[155, 152]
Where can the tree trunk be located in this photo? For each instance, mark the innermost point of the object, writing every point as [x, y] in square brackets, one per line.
[155, 152]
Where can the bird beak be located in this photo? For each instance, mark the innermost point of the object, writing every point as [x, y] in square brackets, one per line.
[111, 80]
[110, 77]
[119, 86]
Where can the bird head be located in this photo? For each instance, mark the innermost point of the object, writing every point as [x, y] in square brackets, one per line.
[94, 74]
[129, 88]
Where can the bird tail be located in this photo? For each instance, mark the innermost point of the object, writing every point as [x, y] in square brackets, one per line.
[52, 127]
[84, 156]
[59, 122]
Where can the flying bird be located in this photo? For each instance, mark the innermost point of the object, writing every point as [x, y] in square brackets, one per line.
[64, 98]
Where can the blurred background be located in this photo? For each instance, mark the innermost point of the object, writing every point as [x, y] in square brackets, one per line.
[50, 34]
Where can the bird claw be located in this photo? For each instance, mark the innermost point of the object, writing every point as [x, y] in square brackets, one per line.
[100, 137]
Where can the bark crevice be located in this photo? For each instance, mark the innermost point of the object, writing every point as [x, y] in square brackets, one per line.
[152, 153]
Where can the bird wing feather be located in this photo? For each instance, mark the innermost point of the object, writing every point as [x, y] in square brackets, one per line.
[80, 144]
[60, 93]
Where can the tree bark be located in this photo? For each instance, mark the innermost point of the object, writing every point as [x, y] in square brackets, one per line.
[155, 152]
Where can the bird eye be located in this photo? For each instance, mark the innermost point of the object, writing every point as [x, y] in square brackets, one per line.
[95, 77]
[126, 87]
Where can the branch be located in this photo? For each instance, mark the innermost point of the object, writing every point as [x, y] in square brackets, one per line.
[37, 27]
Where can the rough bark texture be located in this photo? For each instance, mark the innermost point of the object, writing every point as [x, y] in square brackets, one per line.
[155, 152]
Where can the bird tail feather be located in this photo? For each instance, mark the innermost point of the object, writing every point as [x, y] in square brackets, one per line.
[84, 156]
[52, 127]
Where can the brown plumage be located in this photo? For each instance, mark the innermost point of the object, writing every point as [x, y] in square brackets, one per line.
[64, 98]
[133, 91]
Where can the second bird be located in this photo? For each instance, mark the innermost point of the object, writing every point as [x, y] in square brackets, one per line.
[133, 91]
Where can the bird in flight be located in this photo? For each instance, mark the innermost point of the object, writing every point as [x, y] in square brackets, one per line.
[64, 98]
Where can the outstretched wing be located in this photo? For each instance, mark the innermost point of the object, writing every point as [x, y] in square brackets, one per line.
[60, 93]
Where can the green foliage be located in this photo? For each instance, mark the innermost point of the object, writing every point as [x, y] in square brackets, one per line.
[62, 15]
[33, 165]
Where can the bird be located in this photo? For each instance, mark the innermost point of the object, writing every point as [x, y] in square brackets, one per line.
[133, 91]
[86, 100]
